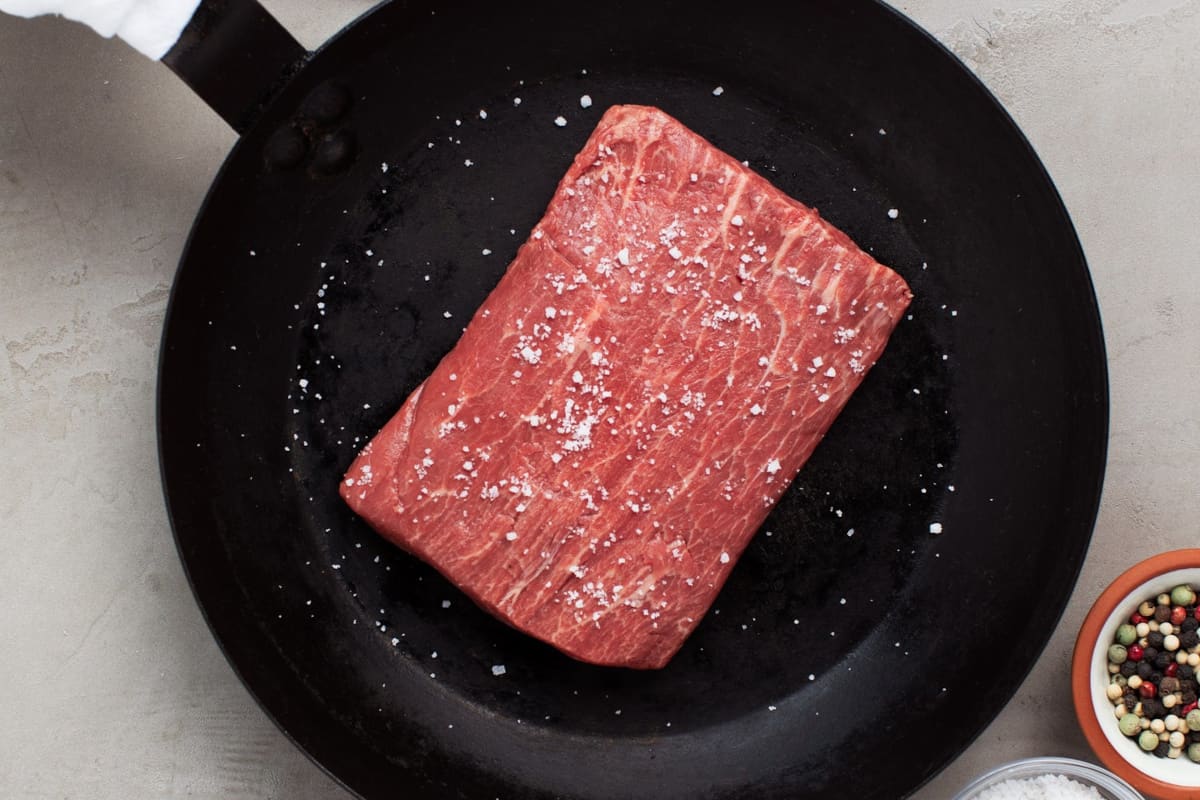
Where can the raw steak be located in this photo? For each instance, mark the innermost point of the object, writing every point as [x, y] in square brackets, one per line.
[637, 392]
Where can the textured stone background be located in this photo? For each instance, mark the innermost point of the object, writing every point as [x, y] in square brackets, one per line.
[110, 684]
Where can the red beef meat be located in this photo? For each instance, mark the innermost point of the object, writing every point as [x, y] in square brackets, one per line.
[645, 381]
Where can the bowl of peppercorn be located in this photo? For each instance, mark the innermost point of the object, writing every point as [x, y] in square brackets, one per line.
[1135, 676]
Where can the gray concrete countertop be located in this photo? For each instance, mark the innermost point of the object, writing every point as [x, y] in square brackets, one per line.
[110, 684]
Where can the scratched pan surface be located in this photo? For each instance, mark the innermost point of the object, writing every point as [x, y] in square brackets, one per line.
[846, 655]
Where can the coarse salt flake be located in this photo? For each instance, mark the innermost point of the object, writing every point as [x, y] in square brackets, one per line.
[724, 557]
[623, 256]
[737, 221]
[560, 121]
[935, 527]
[893, 213]
[498, 670]
[756, 409]
[511, 536]
[585, 101]
[717, 92]
[773, 466]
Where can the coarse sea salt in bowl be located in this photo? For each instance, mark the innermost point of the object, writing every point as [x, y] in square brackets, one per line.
[1164, 778]
[1048, 778]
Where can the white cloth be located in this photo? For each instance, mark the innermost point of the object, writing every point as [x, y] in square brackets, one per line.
[150, 26]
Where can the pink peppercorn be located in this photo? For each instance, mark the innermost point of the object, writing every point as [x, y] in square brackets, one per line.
[1147, 690]
[1135, 652]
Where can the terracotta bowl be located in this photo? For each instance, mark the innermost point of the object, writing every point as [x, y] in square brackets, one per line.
[1164, 778]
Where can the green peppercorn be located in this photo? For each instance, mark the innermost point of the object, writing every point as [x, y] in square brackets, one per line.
[1183, 595]
[1126, 634]
[1148, 740]
[1193, 719]
[1193, 752]
[1117, 654]
[1130, 724]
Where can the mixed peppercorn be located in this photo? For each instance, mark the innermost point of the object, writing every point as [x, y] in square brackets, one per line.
[1154, 661]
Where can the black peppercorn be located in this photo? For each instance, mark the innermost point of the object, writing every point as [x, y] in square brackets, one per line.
[1190, 624]
[1152, 708]
[1164, 660]
[1162, 750]
[1149, 654]
[1144, 669]
[1186, 672]
[1154, 639]
[1162, 614]
[1128, 668]
[1189, 640]
[1155, 678]
[1188, 698]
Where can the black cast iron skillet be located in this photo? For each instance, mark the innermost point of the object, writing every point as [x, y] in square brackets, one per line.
[381, 186]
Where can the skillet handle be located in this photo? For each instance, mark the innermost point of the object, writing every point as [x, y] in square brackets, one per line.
[236, 56]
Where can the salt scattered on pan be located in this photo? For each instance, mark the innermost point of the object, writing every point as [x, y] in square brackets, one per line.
[893, 213]
[1040, 787]
[935, 527]
[560, 121]
[585, 101]
[717, 92]
[498, 670]
[482, 114]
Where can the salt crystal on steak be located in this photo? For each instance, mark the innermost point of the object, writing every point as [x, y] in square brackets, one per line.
[608, 526]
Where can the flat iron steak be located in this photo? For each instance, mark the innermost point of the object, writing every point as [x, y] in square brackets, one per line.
[640, 388]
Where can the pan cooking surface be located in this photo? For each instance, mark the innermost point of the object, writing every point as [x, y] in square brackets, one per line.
[309, 305]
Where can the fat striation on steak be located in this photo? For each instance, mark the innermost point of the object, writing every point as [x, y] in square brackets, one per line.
[640, 388]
